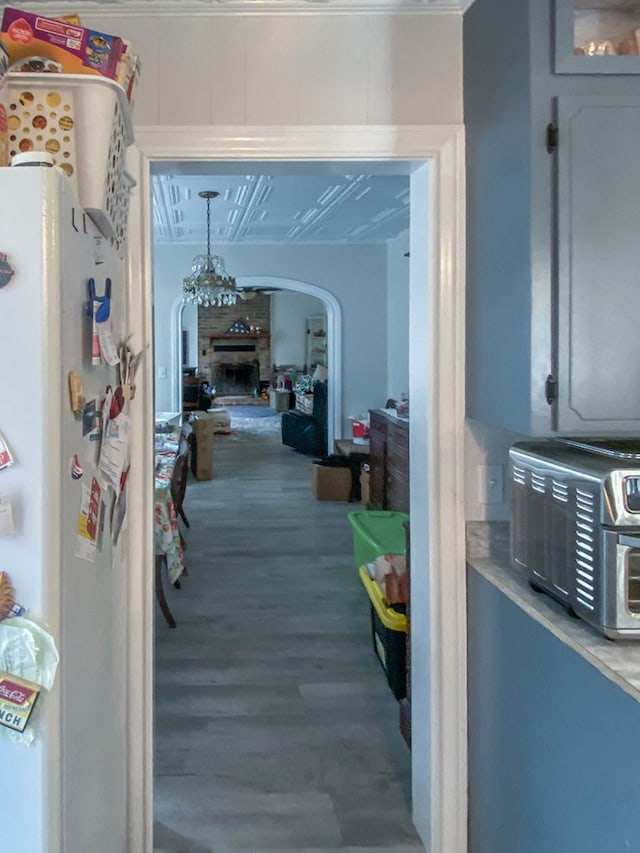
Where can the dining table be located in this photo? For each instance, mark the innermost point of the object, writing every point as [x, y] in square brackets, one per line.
[167, 539]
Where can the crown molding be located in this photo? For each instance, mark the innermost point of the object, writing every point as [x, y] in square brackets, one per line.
[120, 8]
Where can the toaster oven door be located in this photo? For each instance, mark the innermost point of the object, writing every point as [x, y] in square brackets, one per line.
[622, 584]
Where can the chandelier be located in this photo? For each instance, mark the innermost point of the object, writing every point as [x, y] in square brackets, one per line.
[209, 282]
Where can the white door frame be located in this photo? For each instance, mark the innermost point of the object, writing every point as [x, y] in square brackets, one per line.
[439, 709]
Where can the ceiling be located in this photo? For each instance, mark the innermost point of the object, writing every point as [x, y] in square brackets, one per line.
[280, 208]
[153, 7]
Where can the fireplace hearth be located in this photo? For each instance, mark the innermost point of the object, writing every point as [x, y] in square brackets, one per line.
[236, 379]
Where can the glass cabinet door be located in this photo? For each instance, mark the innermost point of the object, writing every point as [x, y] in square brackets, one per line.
[597, 36]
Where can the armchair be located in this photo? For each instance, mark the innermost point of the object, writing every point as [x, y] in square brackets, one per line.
[307, 433]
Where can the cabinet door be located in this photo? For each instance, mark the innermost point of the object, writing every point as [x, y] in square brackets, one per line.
[598, 226]
[596, 36]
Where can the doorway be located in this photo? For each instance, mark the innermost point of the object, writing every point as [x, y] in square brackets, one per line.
[433, 158]
[333, 312]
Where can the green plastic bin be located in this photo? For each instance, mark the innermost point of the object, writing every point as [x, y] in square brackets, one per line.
[377, 532]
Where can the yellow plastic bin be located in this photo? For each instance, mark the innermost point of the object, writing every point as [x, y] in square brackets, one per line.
[389, 636]
[377, 532]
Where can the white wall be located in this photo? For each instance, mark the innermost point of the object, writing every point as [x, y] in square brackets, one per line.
[190, 324]
[355, 275]
[311, 69]
[260, 69]
[289, 312]
[398, 317]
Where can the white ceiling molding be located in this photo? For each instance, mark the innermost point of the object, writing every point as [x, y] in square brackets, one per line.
[118, 8]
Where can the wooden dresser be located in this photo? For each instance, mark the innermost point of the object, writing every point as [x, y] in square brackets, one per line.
[389, 461]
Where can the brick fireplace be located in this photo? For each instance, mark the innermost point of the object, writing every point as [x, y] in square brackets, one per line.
[234, 346]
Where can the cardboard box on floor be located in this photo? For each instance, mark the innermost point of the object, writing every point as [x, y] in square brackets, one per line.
[220, 421]
[279, 399]
[364, 487]
[331, 483]
[202, 449]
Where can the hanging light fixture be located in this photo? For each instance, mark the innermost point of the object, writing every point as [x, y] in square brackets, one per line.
[209, 282]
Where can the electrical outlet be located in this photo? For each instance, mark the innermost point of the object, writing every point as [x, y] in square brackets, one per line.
[491, 484]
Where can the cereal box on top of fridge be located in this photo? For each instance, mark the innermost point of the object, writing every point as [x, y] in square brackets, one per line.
[36, 43]
[4, 60]
[4, 98]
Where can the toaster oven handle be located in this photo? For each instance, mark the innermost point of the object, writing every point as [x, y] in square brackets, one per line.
[630, 540]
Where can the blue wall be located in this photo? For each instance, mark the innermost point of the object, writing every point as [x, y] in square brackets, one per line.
[498, 134]
[554, 747]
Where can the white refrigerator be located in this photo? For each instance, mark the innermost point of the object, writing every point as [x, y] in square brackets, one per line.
[66, 792]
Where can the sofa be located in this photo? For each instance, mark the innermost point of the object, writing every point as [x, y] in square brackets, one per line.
[307, 433]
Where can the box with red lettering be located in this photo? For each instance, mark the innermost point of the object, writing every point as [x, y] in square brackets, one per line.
[38, 44]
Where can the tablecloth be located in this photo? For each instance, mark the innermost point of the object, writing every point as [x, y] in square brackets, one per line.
[166, 531]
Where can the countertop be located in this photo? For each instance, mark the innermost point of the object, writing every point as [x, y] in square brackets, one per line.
[488, 553]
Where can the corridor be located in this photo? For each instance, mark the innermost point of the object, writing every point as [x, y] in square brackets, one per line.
[275, 729]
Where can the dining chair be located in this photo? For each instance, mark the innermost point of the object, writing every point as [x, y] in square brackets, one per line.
[161, 561]
[179, 480]
[179, 484]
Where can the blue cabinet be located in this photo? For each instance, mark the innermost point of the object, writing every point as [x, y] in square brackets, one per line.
[553, 206]
[598, 248]
[597, 36]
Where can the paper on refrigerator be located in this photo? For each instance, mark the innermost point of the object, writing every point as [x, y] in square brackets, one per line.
[115, 449]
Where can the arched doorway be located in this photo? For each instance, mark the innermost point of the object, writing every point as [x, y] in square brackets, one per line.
[334, 337]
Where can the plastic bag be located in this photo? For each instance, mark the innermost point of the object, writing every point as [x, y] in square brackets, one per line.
[28, 651]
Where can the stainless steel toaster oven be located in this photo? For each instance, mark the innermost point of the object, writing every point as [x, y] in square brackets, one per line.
[575, 526]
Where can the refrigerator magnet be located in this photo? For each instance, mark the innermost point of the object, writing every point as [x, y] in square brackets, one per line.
[98, 250]
[92, 421]
[99, 310]
[76, 467]
[7, 596]
[6, 517]
[6, 458]
[6, 270]
[76, 393]
[108, 350]
[17, 700]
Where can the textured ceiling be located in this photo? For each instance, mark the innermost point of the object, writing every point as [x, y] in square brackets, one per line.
[281, 208]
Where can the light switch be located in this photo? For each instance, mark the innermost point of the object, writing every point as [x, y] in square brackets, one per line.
[162, 373]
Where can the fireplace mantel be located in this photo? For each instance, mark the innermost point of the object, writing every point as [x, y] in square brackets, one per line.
[245, 336]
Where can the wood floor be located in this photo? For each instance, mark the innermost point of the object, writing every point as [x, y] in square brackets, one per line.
[275, 729]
